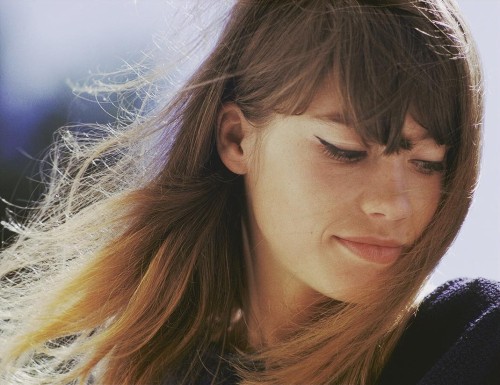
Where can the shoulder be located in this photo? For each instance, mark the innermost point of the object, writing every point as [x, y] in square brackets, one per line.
[454, 338]
[479, 294]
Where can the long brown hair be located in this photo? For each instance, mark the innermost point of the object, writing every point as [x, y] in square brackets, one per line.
[141, 234]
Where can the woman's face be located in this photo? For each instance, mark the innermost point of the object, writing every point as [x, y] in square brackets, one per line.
[327, 213]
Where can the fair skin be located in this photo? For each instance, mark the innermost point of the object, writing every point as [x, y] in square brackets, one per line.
[328, 214]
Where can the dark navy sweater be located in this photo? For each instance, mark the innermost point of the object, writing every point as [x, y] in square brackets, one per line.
[453, 339]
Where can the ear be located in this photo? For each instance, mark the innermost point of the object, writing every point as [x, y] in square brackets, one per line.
[233, 136]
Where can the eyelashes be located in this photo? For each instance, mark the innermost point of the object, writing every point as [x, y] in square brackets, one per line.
[425, 167]
[337, 153]
[428, 167]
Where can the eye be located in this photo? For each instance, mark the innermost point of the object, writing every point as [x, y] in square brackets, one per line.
[340, 154]
[428, 167]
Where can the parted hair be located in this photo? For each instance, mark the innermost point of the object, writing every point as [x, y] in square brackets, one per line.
[130, 268]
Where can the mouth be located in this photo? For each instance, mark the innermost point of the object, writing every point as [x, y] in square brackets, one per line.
[383, 252]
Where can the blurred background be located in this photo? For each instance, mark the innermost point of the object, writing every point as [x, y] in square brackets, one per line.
[44, 45]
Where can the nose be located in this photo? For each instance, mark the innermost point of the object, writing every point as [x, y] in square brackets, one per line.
[386, 192]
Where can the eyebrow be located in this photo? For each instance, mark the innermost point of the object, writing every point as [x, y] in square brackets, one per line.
[407, 141]
[336, 117]
[341, 118]
[422, 134]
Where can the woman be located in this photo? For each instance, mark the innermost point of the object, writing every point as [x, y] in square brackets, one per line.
[275, 222]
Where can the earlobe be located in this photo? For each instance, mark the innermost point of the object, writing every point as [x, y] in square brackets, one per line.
[232, 131]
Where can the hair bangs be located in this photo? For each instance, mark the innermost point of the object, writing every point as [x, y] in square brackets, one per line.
[385, 65]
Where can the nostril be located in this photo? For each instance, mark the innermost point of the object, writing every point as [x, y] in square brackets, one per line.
[385, 204]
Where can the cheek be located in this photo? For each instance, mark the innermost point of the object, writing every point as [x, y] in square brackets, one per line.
[289, 197]
[425, 202]
[281, 195]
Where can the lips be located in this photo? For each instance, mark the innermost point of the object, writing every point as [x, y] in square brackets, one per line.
[374, 250]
